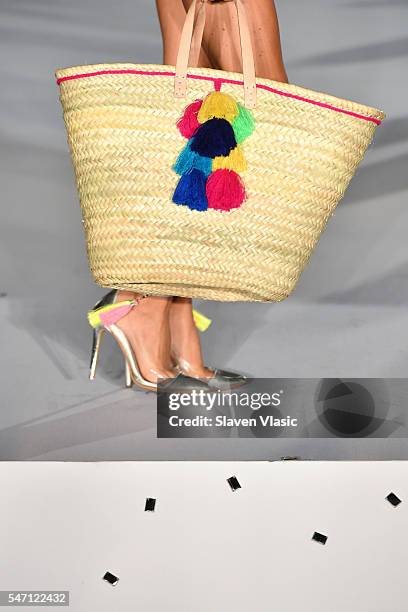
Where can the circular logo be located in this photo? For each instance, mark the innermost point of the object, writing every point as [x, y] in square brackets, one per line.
[347, 408]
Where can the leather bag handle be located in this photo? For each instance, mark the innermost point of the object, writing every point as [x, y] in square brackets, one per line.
[190, 44]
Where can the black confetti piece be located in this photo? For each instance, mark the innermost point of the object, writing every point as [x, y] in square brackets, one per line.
[233, 483]
[319, 537]
[150, 504]
[393, 499]
[113, 580]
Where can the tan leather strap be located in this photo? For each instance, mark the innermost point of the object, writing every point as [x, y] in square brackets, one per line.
[180, 80]
[197, 38]
[248, 63]
[190, 47]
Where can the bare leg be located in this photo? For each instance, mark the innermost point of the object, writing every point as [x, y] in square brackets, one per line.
[221, 46]
[185, 340]
[147, 329]
[171, 16]
[221, 38]
[221, 50]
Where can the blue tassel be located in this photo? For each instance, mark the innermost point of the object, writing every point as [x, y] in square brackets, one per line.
[190, 190]
[187, 160]
[214, 138]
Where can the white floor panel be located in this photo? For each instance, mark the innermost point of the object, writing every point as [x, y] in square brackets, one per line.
[206, 548]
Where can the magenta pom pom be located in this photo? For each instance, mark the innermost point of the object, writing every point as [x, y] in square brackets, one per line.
[225, 190]
[188, 123]
[110, 317]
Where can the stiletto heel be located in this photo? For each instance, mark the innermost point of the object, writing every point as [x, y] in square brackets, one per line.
[128, 375]
[103, 317]
[96, 345]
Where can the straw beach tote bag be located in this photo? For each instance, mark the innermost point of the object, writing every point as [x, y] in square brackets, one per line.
[203, 183]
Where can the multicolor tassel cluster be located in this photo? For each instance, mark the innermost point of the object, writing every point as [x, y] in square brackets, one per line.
[210, 163]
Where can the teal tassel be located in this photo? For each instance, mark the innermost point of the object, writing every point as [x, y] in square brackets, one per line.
[190, 190]
[187, 160]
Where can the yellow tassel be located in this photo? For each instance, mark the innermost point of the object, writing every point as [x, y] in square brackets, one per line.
[202, 322]
[218, 105]
[234, 161]
[93, 318]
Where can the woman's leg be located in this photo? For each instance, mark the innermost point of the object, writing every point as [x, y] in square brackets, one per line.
[221, 47]
[171, 17]
[222, 50]
[147, 327]
[148, 331]
[221, 37]
[185, 340]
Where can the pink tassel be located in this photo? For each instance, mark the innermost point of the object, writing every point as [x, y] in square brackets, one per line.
[188, 123]
[225, 190]
[110, 317]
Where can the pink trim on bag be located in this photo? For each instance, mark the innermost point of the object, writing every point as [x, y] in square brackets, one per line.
[217, 84]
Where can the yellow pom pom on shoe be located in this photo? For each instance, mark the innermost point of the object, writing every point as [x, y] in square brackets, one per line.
[218, 105]
[234, 161]
[93, 318]
[201, 321]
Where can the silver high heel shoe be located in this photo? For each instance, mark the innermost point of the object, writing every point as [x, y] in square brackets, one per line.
[221, 379]
[103, 317]
[226, 379]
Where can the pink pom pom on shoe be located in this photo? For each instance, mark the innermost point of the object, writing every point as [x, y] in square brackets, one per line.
[225, 190]
[188, 124]
[111, 317]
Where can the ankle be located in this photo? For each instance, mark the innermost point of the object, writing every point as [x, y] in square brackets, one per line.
[124, 295]
[154, 306]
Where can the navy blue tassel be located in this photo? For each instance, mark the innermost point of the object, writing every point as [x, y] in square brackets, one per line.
[190, 190]
[214, 138]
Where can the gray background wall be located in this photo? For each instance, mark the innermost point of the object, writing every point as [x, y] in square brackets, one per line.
[348, 316]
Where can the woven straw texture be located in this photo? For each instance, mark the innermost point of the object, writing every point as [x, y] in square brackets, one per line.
[124, 141]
